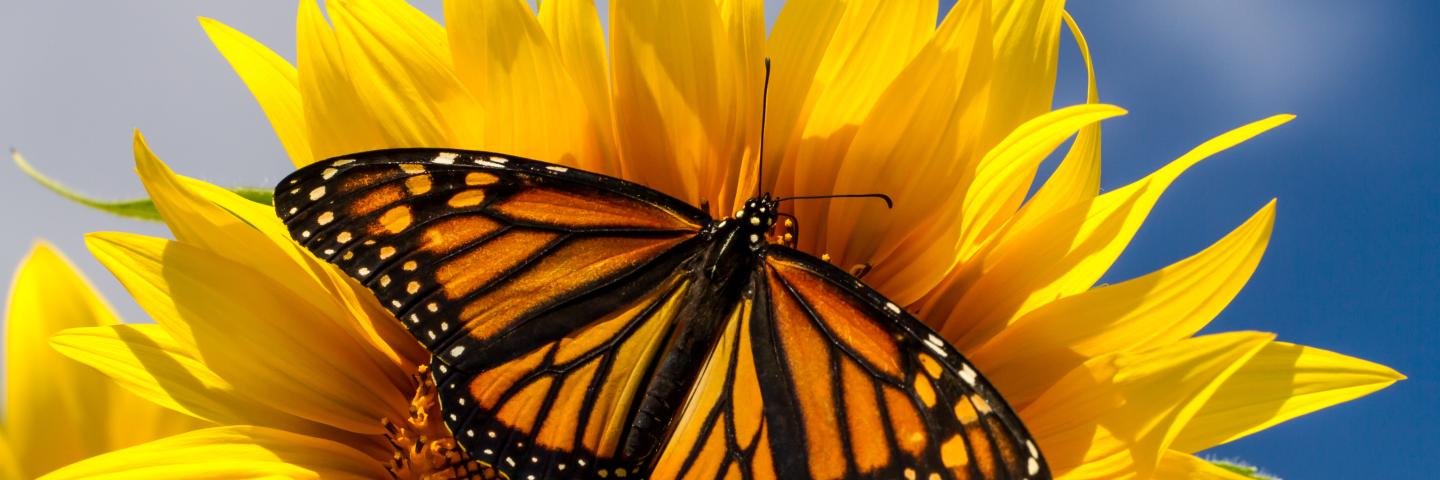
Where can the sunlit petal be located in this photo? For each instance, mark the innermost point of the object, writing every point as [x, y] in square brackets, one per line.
[1281, 382]
[51, 401]
[532, 106]
[1028, 269]
[338, 122]
[273, 82]
[229, 452]
[1165, 306]
[1118, 414]
[196, 287]
[576, 35]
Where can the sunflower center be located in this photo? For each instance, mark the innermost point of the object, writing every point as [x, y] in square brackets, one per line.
[423, 447]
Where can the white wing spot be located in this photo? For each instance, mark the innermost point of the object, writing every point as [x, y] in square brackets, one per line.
[343, 162]
[968, 374]
[470, 433]
[430, 333]
[326, 218]
[305, 234]
[488, 163]
[455, 352]
[892, 308]
[754, 238]
[444, 326]
[1030, 444]
[555, 168]
[938, 351]
[414, 318]
[329, 251]
[317, 193]
[445, 158]
[1032, 466]
[294, 210]
[510, 461]
[934, 339]
[363, 271]
[499, 159]
[328, 173]
[343, 237]
[433, 307]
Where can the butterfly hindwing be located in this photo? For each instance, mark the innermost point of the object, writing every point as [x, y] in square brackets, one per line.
[820, 377]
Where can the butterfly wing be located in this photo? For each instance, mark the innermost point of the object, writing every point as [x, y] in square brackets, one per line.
[567, 281]
[820, 377]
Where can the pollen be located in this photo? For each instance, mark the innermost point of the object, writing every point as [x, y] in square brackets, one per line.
[423, 447]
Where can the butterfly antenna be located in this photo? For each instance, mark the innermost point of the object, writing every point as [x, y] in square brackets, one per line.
[764, 103]
[888, 202]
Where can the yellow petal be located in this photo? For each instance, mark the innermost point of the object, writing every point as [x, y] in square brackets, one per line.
[575, 33]
[147, 361]
[532, 106]
[247, 232]
[273, 82]
[229, 452]
[1027, 46]
[1077, 178]
[338, 121]
[256, 334]
[1165, 306]
[1003, 177]
[1281, 382]
[399, 63]
[914, 145]
[1118, 414]
[1061, 256]
[9, 465]
[832, 60]
[1184, 466]
[52, 404]
[683, 114]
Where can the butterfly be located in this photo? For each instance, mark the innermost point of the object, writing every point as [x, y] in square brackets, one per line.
[582, 326]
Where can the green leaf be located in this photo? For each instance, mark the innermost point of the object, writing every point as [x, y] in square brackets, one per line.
[1241, 468]
[140, 209]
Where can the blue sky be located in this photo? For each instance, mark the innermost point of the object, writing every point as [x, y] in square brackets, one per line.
[1354, 265]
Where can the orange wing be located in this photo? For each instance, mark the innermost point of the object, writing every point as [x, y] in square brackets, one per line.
[544, 293]
[819, 377]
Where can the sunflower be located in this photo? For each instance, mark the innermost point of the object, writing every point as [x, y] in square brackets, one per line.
[304, 374]
[58, 411]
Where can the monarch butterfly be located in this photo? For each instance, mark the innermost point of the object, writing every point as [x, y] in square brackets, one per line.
[582, 326]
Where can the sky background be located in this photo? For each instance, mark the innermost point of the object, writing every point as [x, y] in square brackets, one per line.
[1353, 266]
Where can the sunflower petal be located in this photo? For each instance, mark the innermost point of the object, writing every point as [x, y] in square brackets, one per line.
[1002, 178]
[273, 82]
[1281, 382]
[198, 288]
[1077, 178]
[229, 452]
[1183, 466]
[1027, 47]
[1165, 306]
[148, 362]
[684, 111]
[1119, 414]
[576, 34]
[399, 63]
[913, 146]
[532, 106]
[833, 60]
[337, 120]
[50, 401]
[247, 232]
[1025, 270]
[9, 465]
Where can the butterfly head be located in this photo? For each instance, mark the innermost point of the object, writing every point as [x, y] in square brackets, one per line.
[756, 218]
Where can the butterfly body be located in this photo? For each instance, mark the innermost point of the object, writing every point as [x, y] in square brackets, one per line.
[582, 326]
